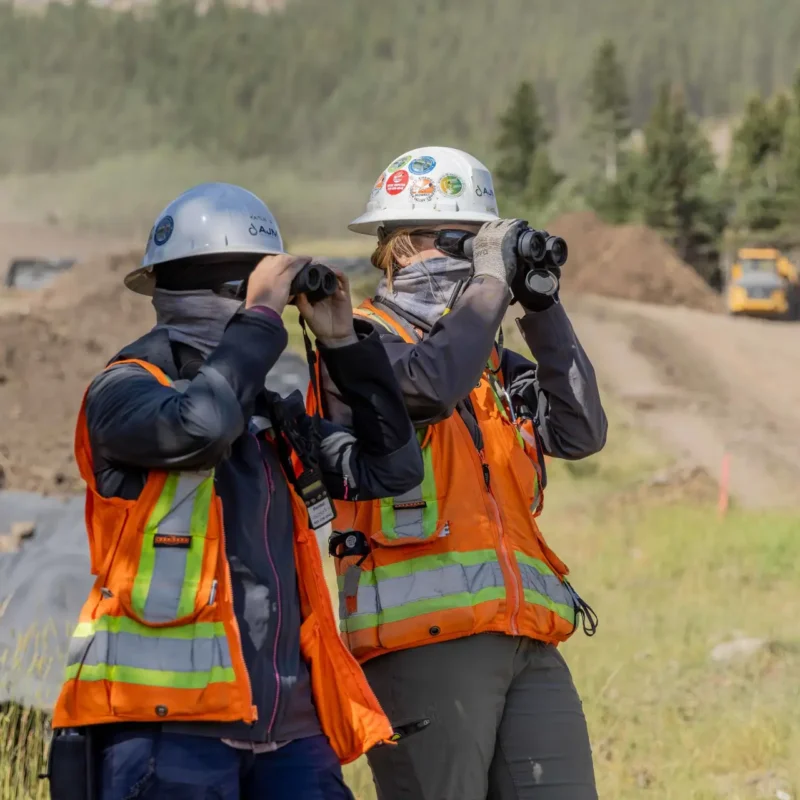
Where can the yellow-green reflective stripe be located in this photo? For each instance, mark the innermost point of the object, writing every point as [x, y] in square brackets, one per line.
[398, 523]
[423, 564]
[147, 558]
[195, 630]
[151, 677]
[194, 557]
[565, 612]
[536, 563]
[417, 608]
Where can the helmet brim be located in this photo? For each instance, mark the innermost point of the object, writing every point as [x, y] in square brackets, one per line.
[369, 223]
[143, 279]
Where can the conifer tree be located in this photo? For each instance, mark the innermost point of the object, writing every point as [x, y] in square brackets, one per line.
[542, 179]
[522, 132]
[676, 167]
[609, 122]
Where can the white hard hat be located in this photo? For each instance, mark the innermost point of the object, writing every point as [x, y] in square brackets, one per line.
[210, 219]
[429, 184]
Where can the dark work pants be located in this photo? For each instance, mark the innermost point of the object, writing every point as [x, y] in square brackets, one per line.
[506, 723]
[176, 766]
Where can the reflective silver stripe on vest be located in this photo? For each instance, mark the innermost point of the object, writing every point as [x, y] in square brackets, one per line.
[424, 585]
[169, 567]
[548, 585]
[150, 652]
[408, 522]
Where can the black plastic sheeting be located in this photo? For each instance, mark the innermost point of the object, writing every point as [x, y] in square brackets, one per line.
[45, 583]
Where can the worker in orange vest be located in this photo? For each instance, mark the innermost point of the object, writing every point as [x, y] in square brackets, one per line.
[207, 661]
[449, 595]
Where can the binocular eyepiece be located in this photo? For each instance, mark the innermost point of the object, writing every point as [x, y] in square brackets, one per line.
[315, 281]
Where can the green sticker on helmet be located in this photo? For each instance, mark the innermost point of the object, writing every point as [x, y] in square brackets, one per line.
[398, 163]
[451, 185]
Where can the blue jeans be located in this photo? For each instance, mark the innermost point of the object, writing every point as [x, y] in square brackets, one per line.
[175, 766]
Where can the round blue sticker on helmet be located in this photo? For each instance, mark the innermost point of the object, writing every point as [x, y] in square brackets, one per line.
[422, 165]
[163, 230]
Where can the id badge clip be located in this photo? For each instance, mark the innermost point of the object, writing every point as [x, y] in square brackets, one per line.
[316, 498]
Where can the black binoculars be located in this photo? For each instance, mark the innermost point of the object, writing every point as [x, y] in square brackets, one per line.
[315, 281]
[538, 250]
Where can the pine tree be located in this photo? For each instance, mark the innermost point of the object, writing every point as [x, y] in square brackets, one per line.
[609, 122]
[677, 168]
[753, 171]
[542, 179]
[789, 167]
[522, 132]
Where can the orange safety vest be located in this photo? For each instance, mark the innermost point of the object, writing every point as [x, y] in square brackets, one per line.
[158, 640]
[461, 553]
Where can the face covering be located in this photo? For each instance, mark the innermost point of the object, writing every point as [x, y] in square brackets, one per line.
[195, 317]
[423, 289]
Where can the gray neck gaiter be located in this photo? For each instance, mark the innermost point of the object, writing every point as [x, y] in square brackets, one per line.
[422, 289]
[196, 317]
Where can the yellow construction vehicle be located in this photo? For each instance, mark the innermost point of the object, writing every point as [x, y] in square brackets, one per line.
[763, 282]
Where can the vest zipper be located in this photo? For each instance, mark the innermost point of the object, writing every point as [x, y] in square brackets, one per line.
[235, 622]
[503, 547]
[270, 488]
[503, 554]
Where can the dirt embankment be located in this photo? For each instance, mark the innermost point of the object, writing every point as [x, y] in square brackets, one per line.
[48, 355]
[705, 385]
[630, 262]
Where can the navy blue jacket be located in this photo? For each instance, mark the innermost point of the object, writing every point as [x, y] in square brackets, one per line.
[216, 417]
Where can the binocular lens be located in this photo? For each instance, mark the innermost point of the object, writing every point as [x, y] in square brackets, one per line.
[329, 283]
[532, 245]
[557, 251]
[313, 278]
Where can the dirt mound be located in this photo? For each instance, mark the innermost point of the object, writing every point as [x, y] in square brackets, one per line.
[631, 262]
[48, 354]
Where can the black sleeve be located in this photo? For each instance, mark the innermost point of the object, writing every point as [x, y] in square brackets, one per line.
[379, 456]
[438, 372]
[560, 390]
[134, 420]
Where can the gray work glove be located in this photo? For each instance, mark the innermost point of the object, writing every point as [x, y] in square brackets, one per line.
[494, 251]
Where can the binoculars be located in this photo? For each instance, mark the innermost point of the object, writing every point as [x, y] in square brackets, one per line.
[538, 250]
[315, 281]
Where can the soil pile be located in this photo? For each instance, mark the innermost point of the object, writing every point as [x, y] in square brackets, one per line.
[48, 354]
[631, 262]
[52, 343]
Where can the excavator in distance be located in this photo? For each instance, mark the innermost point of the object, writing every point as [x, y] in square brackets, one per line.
[763, 282]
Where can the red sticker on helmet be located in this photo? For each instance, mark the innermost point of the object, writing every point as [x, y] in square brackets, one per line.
[396, 182]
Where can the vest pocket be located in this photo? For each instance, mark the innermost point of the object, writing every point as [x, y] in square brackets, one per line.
[178, 557]
[413, 517]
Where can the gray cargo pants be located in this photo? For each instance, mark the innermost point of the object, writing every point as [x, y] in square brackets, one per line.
[506, 723]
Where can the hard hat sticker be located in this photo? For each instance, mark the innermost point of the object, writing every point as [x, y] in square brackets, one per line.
[398, 163]
[451, 185]
[484, 191]
[379, 183]
[422, 190]
[163, 230]
[422, 165]
[396, 182]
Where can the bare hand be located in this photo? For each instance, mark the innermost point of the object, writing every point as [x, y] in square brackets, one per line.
[270, 281]
[331, 319]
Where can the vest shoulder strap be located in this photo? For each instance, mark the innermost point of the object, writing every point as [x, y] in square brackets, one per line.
[83, 447]
[368, 310]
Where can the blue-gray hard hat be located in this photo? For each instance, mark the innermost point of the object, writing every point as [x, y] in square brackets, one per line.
[210, 219]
